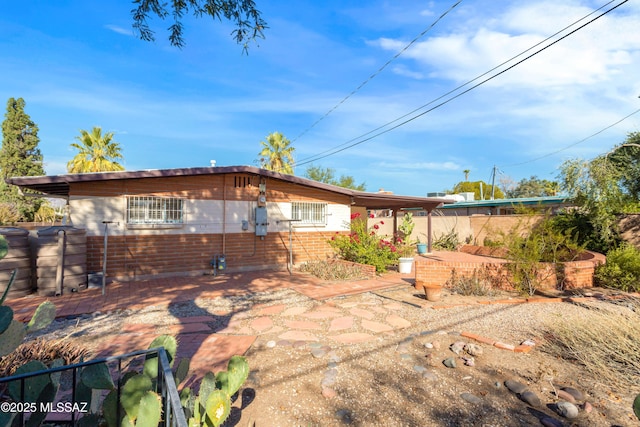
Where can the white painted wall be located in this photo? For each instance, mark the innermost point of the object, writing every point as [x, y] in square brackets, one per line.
[201, 216]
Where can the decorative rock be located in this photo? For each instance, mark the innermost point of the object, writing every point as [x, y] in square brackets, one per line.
[515, 386]
[473, 349]
[405, 356]
[329, 393]
[530, 398]
[344, 415]
[497, 384]
[428, 345]
[327, 382]
[471, 398]
[284, 343]
[550, 422]
[436, 345]
[567, 410]
[457, 347]
[315, 345]
[332, 365]
[469, 361]
[561, 394]
[419, 369]
[577, 394]
[428, 375]
[450, 362]
[586, 407]
[529, 343]
[271, 344]
[423, 333]
[298, 344]
[318, 352]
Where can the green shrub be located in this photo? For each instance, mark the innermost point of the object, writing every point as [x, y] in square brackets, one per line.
[622, 269]
[544, 243]
[447, 241]
[365, 246]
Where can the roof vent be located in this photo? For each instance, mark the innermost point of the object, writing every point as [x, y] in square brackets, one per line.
[213, 163]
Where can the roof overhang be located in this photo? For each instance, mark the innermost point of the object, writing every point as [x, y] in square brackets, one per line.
[59, 185]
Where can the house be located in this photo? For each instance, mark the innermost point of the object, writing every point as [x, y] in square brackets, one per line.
[181, 221]
[504, 206]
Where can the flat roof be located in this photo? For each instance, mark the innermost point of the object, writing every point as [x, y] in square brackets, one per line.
[528, 201]
[59, 185]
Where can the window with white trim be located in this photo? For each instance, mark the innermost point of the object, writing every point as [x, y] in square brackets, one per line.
[309, 213]
[154, 210]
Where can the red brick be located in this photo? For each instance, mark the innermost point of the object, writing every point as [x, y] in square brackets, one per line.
[504, 346]
[523, 348]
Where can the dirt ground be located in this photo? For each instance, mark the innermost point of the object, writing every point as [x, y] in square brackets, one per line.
[396, 376]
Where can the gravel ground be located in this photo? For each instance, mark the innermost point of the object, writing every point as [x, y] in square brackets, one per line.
[397, 379]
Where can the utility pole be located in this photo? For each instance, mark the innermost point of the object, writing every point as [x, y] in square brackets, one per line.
[493, 182]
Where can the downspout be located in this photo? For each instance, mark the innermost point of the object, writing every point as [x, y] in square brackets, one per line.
[224, 214]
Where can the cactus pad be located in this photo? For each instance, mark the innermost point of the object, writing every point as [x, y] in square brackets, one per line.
[44, 315]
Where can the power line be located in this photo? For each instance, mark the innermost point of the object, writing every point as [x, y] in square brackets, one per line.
[371, 77]
[346, 144]
[575, 143]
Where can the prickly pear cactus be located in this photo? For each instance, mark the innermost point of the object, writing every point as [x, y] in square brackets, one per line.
[44, 315]
[636, 406]
[170, 345]
[217, 407]
[150, 410]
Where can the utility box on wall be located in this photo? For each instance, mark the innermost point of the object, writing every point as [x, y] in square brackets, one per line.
[261, 221]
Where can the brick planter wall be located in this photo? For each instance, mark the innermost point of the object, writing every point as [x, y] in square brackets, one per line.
[568, 275]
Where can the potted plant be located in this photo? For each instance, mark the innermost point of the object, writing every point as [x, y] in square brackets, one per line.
[405, 262]
[422, 246]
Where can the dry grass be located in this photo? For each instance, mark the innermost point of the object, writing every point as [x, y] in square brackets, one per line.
[606, 342]
[44, 351]
[331, 270]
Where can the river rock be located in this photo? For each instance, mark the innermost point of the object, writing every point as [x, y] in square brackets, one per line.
[561, 394]
[450, 362]
[473, 349]
[530, 398]
[551, 422]
[587, 407]
[577, 394]
[515, 386]
[471, 398]
[457, 347]
[469, 361]
[567, 410]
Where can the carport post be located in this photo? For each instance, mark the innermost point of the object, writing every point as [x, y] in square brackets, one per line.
[429, 231]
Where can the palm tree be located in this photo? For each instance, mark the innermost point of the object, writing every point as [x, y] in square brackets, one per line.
[96, 153]
[277, 154]
[466, 174]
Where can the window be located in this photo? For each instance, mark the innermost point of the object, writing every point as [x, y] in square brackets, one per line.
[154, 210]
[309, 213]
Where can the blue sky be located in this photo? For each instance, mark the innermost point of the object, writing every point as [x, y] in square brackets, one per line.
[78, 64]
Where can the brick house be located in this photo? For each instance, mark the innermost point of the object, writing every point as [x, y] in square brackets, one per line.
[175, 221]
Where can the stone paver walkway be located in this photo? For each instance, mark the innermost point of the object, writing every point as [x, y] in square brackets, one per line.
[208, 348]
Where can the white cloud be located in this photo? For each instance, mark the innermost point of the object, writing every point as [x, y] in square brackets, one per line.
[119, 30]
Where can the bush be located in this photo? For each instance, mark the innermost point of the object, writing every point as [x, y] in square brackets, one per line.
[365, 246]
[481, 283]
[622, 269]
[447, 241]
[543, 244]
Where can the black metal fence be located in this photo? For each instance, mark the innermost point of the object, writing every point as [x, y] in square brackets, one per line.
[71, 412]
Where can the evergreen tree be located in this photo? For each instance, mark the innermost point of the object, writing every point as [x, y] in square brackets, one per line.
[19, 156]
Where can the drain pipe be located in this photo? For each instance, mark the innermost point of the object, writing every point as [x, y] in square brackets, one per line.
[104, 258]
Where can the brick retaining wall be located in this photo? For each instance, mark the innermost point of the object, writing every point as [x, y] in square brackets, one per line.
[568, 275]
